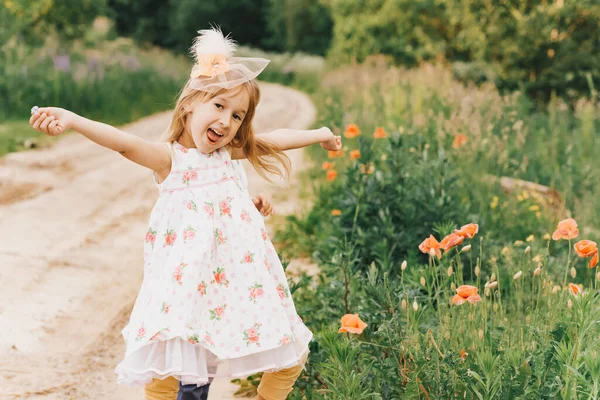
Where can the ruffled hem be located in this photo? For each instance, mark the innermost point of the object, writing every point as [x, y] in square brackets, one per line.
[195, 364]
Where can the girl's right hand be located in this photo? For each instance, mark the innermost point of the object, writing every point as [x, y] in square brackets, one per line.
[52, 120]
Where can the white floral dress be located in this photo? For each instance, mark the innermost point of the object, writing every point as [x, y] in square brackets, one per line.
[214, 290]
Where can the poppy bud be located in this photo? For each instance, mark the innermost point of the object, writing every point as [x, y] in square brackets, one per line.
[573, 272]
[477, 270]
[555, 289]
[404, 265]
[537, 271]
[403, 304]
[527, 249]
[450, 271]
[466, 249]
[569, 304]
[493, 277]
[415, 305]
[422, 280]
[517, 275]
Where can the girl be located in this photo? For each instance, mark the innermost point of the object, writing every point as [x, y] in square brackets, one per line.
[214, 291]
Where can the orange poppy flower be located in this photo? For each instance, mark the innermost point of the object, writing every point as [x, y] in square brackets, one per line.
[466, 291]
[459, 141]
[594, 261]
[567, 229]
[474, 299]
[331, 175]
[352, 131]
[355, 154]
[457, 300]
[336, 212]
[467, 231]
[575, 289]
[450, 241]
[352, 323]
[431, 243]
[380, 133]
[327, 165]
[586, 248]
[336, 153]
[369, 170]
[463, 355]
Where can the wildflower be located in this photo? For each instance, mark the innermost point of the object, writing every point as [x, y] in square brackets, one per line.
[355, 154]
[587, 248]
[573, 272]
[327, 165]
[331, 175]
[422, 281]
[466, 293]
[415, 305]
[463, 355]
[530, 238]
[430, 245]
[518, 243]
[466, 249]
[367, 170]
[335, 153]
[517, 275]
[379, 133]
[450, 271]
[404, 265]
[477, 270]
[575, 289]
[527, 249]
[537, 258]
[459, 141]
[494, 202]
[352, 131]
[537, 271]
[352, 323]
[450, 241]
[547, 236]
[467, 231]
[336, 212]
[567, 229]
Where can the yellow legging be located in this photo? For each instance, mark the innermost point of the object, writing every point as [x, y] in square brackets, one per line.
[273, 385]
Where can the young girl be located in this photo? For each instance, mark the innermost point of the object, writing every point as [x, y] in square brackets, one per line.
[214, 291]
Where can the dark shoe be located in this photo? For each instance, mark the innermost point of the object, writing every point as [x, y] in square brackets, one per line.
[193, 392]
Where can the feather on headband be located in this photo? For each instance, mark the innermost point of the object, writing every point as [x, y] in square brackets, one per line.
[216, 67]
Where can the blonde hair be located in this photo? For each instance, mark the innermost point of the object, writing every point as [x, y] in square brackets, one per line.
[262, 154]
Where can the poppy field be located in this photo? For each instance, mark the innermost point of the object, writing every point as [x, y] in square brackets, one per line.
[455, 235]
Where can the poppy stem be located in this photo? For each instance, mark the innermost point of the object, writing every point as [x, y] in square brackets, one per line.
[568, 263]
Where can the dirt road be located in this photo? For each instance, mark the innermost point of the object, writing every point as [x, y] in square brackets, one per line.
[72, 222]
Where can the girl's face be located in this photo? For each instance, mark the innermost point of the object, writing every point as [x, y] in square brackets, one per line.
[215, 123]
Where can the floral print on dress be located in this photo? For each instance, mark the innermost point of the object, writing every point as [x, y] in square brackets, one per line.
[263, 233]
[220, 278]
[189, 234]
[178, 274]
[150, 237]
[208, 340]
[218, 312]
[221, 239]
[225, 207]
[193, 339]
[209, 208]
[170, 237]
[202, 288]
[189, 176]
[246, 217]
[165, 308]
[252, 335]
[283, 291]
[287, 338]
[141, 333]
[248, 258]
[267, 263]
[157, 334]
[255, 291]
[191, 205]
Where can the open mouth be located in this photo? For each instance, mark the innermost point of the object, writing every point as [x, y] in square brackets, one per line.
[213, 136]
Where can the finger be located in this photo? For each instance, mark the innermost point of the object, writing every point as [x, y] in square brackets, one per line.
[36, 124]
[44, 125]
[45, 110]
[53, 128]
[33, 118]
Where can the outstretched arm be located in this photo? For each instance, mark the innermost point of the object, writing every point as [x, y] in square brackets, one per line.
[289, 139]
[54, 121]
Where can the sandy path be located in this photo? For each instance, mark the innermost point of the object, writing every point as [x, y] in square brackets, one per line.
[72, 220]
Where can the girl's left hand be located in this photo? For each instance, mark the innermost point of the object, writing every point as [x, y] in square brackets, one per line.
[334, 143]
[263, 204]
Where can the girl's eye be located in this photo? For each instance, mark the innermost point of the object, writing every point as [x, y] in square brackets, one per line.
[219, 105]
[236, 116]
